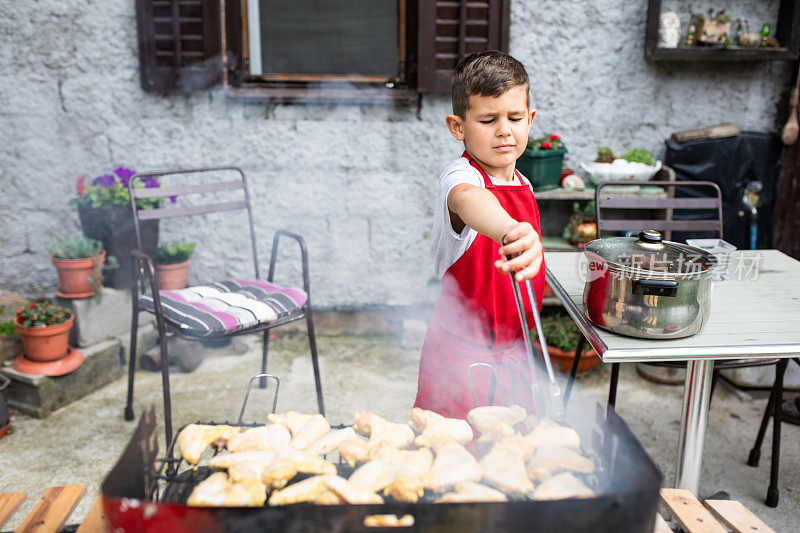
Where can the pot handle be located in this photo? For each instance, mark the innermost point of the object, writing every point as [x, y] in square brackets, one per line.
[655, 287]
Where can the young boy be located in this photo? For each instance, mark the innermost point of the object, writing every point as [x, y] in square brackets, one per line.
[485, 212]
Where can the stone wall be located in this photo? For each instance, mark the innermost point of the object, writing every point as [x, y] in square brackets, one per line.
[357, 181]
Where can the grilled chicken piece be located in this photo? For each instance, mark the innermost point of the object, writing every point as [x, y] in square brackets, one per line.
[330, 441]
[218, 491]
[419, 418]
[472, 492]
[366, 422]
[453, 465]
[388, 520]
[195, 438]
[315, 428]
[504, 467]
[292, 420]
[495, 422]
[225, 460]
[354, 450]
[562, 486]
[550, 458]
[546, 431]
[453, 428]
[396, 435]
[350, 493]
[272, 437]
[409, 484]
[292, 461]
[373, 475]
[303, 491]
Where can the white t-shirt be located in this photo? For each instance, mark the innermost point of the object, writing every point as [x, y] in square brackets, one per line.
[447, 245]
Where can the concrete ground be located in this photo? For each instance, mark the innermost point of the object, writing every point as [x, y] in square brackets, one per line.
[79, 443]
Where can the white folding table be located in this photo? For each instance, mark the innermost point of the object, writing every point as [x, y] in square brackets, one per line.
[755, 312]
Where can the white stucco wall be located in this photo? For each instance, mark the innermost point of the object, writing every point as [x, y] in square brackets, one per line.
[357, 181]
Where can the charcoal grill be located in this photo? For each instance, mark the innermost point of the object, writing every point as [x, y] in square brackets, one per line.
[145, 492]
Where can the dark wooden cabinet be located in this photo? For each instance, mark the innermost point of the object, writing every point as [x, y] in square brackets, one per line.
[787, 31]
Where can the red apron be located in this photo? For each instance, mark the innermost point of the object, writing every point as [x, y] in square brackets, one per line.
[476, 321]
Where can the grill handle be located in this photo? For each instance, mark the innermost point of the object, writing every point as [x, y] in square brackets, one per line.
[250, 386]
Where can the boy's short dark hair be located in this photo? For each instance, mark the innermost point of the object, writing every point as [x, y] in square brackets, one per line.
[487, 73]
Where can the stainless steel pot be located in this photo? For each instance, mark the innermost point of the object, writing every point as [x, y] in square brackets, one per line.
[645, 287]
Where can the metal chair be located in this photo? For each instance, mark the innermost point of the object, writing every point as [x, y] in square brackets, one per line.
[266, 305]
[657, 213]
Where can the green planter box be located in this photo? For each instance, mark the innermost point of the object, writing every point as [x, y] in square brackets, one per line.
[542, 167]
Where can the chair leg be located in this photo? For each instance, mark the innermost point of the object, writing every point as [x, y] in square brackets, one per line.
[612, 388]
[777, 414]
[162, 342]
[262, 382]
[312, 342]
[132, 364]
[574, 370]
[755, 453]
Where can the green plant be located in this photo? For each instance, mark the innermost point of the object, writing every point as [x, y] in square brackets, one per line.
[548, 142]
[174, 252]
[111, 190]
[638, 155]
[604, 155]
[41, 314]
[559, 331]
[74, 247]
[7, 327]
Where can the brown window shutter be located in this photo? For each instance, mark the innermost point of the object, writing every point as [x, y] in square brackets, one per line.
[451, 29]
[179, 44]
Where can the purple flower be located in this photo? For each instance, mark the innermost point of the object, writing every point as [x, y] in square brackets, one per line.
[173, 199]
[152, 182]
[104, 181]
[124, 175]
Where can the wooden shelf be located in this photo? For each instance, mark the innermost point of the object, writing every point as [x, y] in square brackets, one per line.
[564, 194]
[787, 32]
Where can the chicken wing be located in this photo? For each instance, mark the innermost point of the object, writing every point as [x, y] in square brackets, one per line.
[504, 468]
[225, 460]
[550, 458]
[354, 450]
[411, 480]
[453, 465]
[315, 428]
[472, 492]
[292, 461]
[562, 486]
[373, 475]
[195, 438]
[365, 423]
[388, 520]
[396, 435]
[352, 494]
[218, 491]
[453, 428]
[330, 441]
[419, 418]
[292, 420]
[546, 431]
[272, 437]
[306, 490]
[511, 415]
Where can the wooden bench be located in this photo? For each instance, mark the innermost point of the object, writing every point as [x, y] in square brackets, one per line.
[57, 503]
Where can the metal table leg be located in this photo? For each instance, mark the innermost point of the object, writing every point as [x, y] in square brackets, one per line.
[694, 415]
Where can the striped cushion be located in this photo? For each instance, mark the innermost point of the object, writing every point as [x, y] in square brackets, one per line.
[226, 306]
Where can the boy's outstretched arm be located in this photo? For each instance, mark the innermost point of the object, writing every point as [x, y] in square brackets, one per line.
[479, 209]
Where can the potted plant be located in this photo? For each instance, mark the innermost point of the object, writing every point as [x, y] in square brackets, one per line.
[172, 264]
[582, 225]
[104, 210]
[80, 262]
[562, 338]
[542, 160]
[712, 29]
[44, 328]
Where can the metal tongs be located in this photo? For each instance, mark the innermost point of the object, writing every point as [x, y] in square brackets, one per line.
[554, 404]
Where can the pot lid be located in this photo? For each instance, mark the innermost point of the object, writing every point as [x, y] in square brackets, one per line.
[648, 253]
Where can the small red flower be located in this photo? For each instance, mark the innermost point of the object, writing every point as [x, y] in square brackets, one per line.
[31, 306]
[555, 138]
[546, 145]
[80, 186]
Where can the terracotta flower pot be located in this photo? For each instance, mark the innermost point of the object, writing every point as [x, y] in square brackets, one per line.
[46, 343]
[173, 277]
[562, 360]
[76, 277]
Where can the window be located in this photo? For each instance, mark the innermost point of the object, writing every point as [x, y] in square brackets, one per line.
[313, 50]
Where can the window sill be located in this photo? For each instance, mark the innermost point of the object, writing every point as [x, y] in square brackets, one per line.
[330, 94]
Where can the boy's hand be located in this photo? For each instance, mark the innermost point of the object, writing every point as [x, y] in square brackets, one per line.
[524, 248]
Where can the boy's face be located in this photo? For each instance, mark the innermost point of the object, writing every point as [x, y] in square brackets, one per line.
[495, 130]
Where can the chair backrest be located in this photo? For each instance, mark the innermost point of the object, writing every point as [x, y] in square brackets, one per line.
[658, 210]
[165, 192]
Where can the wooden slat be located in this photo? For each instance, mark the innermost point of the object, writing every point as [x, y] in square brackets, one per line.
[178, 190]
[661, 225]
[605, 201]
[53, 509]
[93, 523]
[689, 512]
[737, 517]
[8, 504]
[167, 212]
